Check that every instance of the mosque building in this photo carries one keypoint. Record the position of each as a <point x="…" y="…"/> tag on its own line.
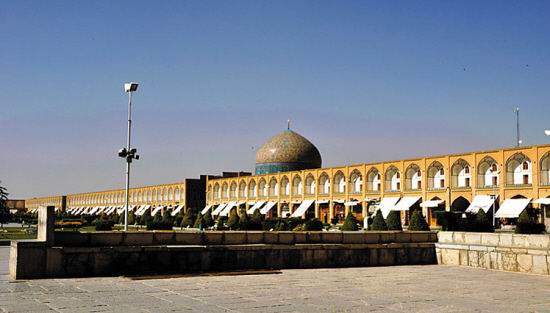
<point x="290" y="181"/>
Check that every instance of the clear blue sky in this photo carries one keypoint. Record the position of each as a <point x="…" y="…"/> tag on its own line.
<point x="363" y="80"/>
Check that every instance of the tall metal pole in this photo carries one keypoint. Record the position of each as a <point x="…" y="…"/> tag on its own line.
<point x="517" y="127"/>
<point x="128" y="160"/>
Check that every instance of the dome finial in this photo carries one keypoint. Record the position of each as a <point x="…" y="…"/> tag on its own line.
<point x="288" y="124"/>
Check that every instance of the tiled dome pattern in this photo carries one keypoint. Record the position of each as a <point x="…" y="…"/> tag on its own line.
<point x="287" y="151"/>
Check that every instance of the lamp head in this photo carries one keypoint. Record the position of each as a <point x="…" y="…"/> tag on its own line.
<point x="130" y="87"/>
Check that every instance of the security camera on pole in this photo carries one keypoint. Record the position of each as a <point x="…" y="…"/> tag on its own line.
<point x="128" y="153"/>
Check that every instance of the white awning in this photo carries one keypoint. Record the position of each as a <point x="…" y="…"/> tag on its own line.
<point x="206" y="208"/>
<point x="219" y="209"/>
<point x="338" y="201"/>
<point x="480" y="202"/>
<point x="371" y="199"/>
<point x="154" y="212"/>
<point x="322" y="201"/>
<point x="351" y="203"/>
<point x="140" y="211"/>
<point x="253" y="208"/>
<point x="95" y="209"/>
<point x="431" y="203"/>
<point x="267" y="207"/>
<point x="405" y="203"/>
<point x="228" y="209"/>
<point x="241" y="203"/>
<point x="302" y="208"/>
<point x="387" y="204"/>
<point x="512" y="208"/>
<point x="297" y="201"/>
<point x="545" y="201"/>
<point x="177" y="210"/>
<point x="251" y="203"/>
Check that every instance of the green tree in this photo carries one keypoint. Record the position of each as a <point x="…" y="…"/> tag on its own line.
<point x="199" y="222"/>
<point x="208" y="220"/>
<point x="418" y="222"/>
<point x="158" y="217"/>
<point x="5" y="215"/>
<point x="350" y="223"/>
<point x="378" y="222"/>
<point x="527" y="225"/>
<point x="244" y="221"/>
<point x="178" y="218"/>
<point x="167" y="217"/>
<point x="483" y="223"/>
<point x="146" y="218"/>
<point x="256" y="220"/>
<point x="188" y="219"/>
<point x="394" y="221"/>
<point x="233" y="221"/>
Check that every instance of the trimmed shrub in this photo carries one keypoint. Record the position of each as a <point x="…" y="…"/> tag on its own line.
<point x="482" y="223"/>
<point x="269" y="224"/>
<point x="350" y="223"/>
<point x="167" y="217"/>
<point x="199" y="222"/>
<point x="294" y="221"/>
<point x="188" y="219"/>
<point x="418" y="222"/>
<point x="220" y="224"/>
<point x="256" y="220"/>
<point x="103" y="224"/>
<point x="378" y="222"/>
<point x="233" y="220"/>
<point x="244" y="221"/>
<point x="208" y="220"/>
<point x="313" y="224"/>
<point x="527" y="224"/>
<point x="157" y="218"/>
<point x="178" y="218"/>
<point x="394" y="221"/>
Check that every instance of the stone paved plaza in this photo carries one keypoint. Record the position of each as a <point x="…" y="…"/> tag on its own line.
<point x="377" y="289"/>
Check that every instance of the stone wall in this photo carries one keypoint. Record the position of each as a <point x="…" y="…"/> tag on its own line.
<point x="498" y="251"/>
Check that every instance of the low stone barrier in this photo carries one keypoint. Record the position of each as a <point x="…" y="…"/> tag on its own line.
<point x="497" y="251"/>
<point x="61" y="254"/>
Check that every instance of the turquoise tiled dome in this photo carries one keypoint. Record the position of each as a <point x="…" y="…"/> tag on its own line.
<point x="287" y="151"/>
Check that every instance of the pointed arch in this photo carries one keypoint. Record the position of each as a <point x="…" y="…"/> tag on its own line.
<point x="374" y="179"/>
<point x="461" y="175"/>
<point x="355" y="182"/>
<point x="436" y="176"/>
<point x="518" y="170"/>
<point x="392" y="179"/>
<point x="413" y="177"/>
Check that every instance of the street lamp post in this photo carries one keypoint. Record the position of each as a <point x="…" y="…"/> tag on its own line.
<point x="128" y="153"/>
<point x="518" y="140"/>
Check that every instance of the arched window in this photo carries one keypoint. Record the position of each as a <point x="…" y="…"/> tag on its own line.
<point x="339" y="183"/>
<point x="297" y="186"/>
<point x="518" y="170"/>
<point x="262" y="188"/>
<point x="355" y="182"/>
<point x="177" y="195"/>
<point x="170" y="195"/>
<point x="393" y="179"/>
<point x="373" y="180"/>
<point x="225" y="191"/>
<point x="545" y="170"/>
<point x="285" y="186"/>
<point x="273" y="187"/>
<point x="324" y="184"/>
<point x="242" y="190"/>
<point x="487" y="173"/>
<point x="461" y="176"/>
<point x="252" y="189"/>
<point x="233" y="190"/>
<point x="436" y="176"/>
<point x="310" y="184"/>
<point x="413" y="177"/>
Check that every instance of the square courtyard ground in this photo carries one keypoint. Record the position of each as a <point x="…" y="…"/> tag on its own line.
<point x="430" y="288"/>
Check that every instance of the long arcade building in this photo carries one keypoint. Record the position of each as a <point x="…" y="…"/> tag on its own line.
<point x="505" y="180"/>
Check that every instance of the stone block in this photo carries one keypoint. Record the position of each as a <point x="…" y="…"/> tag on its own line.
<point x="419" y="236"/>
<point x="445" y="237"/>
<point x="164" y="238"/>
<point x="459" y="237"/>
<point x="509" y="262"/>
<point x="371" y="237"/>
<point x="314" y="237"/>
<point x="286" y="237"/>
<point x="472" y="238"/>
<point x="473" y="258"/>
<point x="271" y="237"/>
<point x="234" y="237"/>
<point x="505" y="240"/>
<point x="54" y="263"/>
<point x="189" y="238"/>
<point x="46" y="225"/>
<point x="332" y="237"/>
<point x="463" y="258"/>
<point x="540" y="265"/>
<point x="373" y="256"/>
<point x="387" y="236"/>
<point x="73" y="238"/>
<point x="300" y="238"/>
<point x="519" y="241"/>
<point x="255" y="237"/>
<point x="27" y="259"/>
<point x="450" y="257"/>
<point x="213" y="237"/>
<point x="106" y="239"/>
<point x="137" y="238"/>
<point x="538" y="241"/>
<point x="525" y="263"/>
<point x="386" y="257"/>
<point x="353" y="237"/>
<point x="493" y="257"/>
<point x="403" y="237"/>
<point x="489" y="239"/>
<point x="432" y="236"/>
